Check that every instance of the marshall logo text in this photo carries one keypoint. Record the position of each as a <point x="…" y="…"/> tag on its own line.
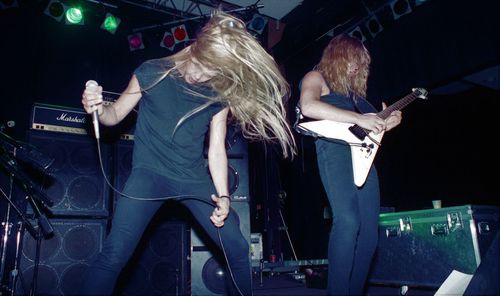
<point x="68" y="118"/>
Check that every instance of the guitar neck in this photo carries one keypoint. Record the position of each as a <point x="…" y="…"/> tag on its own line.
<point x="397" y="106"/>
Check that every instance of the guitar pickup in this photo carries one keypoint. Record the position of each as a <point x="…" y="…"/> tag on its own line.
<point x="358" y="131"/>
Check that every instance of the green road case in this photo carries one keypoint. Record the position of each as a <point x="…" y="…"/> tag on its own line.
<point x="421" y="248"/>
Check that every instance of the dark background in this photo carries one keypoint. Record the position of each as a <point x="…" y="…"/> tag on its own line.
<point x="444" y="149"/>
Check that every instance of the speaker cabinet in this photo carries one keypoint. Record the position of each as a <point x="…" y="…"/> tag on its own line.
<point x="238" y="179"/>
<point x="160" y="263"/>
<point x="75" y="182"/>
<point x="237" y="154"/>
<point x="63" y="257"/>
<point x="208" y="274"/>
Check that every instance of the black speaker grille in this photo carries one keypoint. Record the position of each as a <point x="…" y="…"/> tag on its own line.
<point x="63" y="257"/>
<point x="71" y="278"/>
<point x="160" y="263"/>
<point x="81" y="243"/>
<point x="84" y="194"/>
<point x="75" y="182"/>
<point x="47" y="281"/>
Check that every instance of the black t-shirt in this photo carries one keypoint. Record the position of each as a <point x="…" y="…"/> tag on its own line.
<point x="176" y="155"/>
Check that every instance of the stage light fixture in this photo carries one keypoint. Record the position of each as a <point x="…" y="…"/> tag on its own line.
<point x="180" y="34"/>
<point x="5" y="4"/>
<point x="168" y="41"/>
<point x="56" y="10"/>
<point x="357" y="33"/>
<point x="400" y="8"/>
<point x="74" y="16"/>
<point x="135" y="41"/>
<point x="374" y="26"/>
<point x="257" y="23"/>
<point x="110" y="23"/>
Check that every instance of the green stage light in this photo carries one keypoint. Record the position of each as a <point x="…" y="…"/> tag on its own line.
<point x="110" y="23"/>
<point x="74" y="16"/>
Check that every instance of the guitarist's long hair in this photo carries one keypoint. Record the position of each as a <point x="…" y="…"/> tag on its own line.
<point x="334" y="63"/>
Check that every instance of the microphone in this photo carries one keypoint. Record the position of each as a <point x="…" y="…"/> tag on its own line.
<point x="25" y="152"/>
<point x="13" y="168"/>
<point x="92" y="85"/>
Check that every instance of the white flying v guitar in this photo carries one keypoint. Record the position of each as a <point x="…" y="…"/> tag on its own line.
<point x="364" y="143"/>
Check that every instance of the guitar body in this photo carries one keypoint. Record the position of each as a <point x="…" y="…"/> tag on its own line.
<point x="362" y="151"/>
<point x="364" y="144"/>
<point x="363" y="156"/>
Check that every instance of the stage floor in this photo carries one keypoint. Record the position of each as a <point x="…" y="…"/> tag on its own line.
<point x="284" y="284"/>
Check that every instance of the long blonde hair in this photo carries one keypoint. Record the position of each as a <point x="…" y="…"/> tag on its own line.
<point x="333" y="65"/>
<point x="248" y="79"/>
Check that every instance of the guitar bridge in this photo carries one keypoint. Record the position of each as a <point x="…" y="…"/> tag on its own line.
<point x="368" y="148"/>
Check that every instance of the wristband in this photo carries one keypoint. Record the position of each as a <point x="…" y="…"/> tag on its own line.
<point x="226" y="196"/>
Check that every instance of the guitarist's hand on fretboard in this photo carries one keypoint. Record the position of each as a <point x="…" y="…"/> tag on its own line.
<point x="371" y="122"/>
<point x="394" y="118"/>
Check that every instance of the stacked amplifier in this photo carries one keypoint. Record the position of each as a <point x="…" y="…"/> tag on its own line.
<point x="80" y="202"/>
<point x="171" y="258"/>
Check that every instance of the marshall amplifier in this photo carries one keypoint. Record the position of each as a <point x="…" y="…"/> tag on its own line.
<point x="77" y="121"/>
<point x="59" y="119"/>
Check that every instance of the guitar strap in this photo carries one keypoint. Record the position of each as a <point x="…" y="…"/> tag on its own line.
<point x="298" y="119"/>
<point x="357" y="108"/>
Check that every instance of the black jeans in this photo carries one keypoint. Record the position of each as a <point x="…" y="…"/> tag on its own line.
<point x="354" y="235"/>
<point x="133" y="216"/>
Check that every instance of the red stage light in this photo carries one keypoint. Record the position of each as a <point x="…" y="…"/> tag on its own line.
<point x="180" y="34"/>
<point x="135" y="41"/>
<point x="167" y="41"/>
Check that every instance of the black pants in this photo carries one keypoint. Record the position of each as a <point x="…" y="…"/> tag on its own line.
<point x="132" y="217"/>
<point x="354" y="235"/>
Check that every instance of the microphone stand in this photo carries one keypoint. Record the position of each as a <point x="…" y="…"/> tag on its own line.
<point x="31" y="188"/>
<point x="24" y="221"/>
<point x="7" y="226"/>
<point x="44" y="229"/>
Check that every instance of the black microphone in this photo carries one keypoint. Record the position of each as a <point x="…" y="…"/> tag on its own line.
<point x="25" y="152"/>
<point x="30" y="154"/>
<point x="92" y="85"/>
<point x="13" y="168"/>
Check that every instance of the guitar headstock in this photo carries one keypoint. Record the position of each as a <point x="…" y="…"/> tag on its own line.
<point x="420" y="93"/>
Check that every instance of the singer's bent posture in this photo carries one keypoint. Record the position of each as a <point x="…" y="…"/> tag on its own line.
<point x="225" y="72"/>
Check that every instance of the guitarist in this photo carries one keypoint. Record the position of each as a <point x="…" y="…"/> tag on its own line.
<point x="335" y="90"/>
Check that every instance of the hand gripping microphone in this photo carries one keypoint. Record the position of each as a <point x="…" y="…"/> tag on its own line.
<point x="92" y="85"/>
